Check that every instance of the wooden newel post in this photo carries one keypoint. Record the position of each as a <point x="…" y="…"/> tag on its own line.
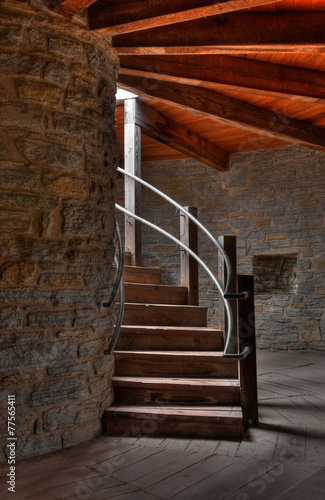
<point x="132" y="164"/>
<point x="229" y="245"/>
<point x="189" y="266"/>
<point x="246" y="328"/>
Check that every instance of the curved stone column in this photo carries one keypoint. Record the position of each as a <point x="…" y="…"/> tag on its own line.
<point x="58" y="154"/>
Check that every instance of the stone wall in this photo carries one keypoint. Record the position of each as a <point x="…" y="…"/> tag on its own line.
<point x="58" y="153"/>
<point x="274" y="202"/>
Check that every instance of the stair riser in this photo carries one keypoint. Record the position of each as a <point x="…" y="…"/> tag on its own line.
<point x="138" y="365"/>
<point x="171" y="342"/>
<point x="154" y="295"/>
<point x="182" y="395"/>
<point x="139" y="314"/>
<point x="142" y="275"/>
<point x="200" y="427"/>
<point x="127" y="258"/>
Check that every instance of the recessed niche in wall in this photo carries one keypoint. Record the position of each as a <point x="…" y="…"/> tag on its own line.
<point x="275" y="273"/>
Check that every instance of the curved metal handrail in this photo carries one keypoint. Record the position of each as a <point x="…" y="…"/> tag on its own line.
<point x="227" y="292"/>
<point x="119" y="285"/>
<point x="119" y="264"/>
<point x="247" y="349"/>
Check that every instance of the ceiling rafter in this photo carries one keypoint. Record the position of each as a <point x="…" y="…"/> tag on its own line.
<point x="212" y="58"/>
<point x="158" y="127"/>
<point x="235" y="33"/>
<point x="221" y="73"/>
<point x="115" y="17"/>
<point x="69" y="8"/>
<point x="228" y="111"/>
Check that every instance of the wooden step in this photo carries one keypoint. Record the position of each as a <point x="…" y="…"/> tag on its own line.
<point x="164" y="315"/>
<point x="193" y="421"/>
<point x="132" y="274"/>
<point x="155" y="294"/>
<point x="127" y="258"/>
<point x="149" y="390"/>
<point x="174" y="364"/>
<point x="173" y="338"/>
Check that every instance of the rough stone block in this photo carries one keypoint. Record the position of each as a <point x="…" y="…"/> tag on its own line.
<point x="35" y="91"/>
<point x="14" y="63"/>
<point x="19" y="179"/>
<point x="310" y="332"/>
<point x="56" y="72"/>
<point x="37" y="355"/>
<point x="84" y="433"/>
<point x="58" y="390"/>
<point x="74" y="126"/>
<point x="64" y="184"/>
<point x="317" y="347"/>
<point x="4" y="393"/>
<point x="71" y="298"/>
<point x="81" y="219"/>
<point x="67" y="47"/>
<point x="240" y="223"/>
<point x="236" y="177"/>
<point x="67" y="370"/>
<point x="13" y="221"/>
<point x="51" y="319"/>
<point x="32" y="446"/>
<point x="5" y="153"/>
<point x="25" y="296"/>
<point x="62" y="280"/>
<point x="11" y="35"/>
<point x="50" y="154"/>
<point x="97" y="59"/>
<point x="19" y="115"/>
<point x="60" y="417"/>
<point x="88" y="414"/>
<point x="36" y="38"/>
<point x="260" y="246"/>
<point x="88" y="349"/>
<point x="10" y="318"/>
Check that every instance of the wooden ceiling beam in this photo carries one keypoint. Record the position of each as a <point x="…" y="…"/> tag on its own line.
<point x="235" y="33"/>
<point x="222" y="73"/>
<point x="172" y="134"/>
<point x="228" y="111"/>
<point x="114" y="17"/>
<point x="69" y="8"/>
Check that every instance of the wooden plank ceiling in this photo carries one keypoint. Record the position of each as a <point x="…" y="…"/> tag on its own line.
<point x="235" y="75"/>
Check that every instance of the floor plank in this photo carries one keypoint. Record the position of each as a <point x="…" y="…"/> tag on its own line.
<point x="220" y="485"/>
<point x="148" y="465"/>
<point x="278" y="480"/>
<point x="189" y="476"/>
<point x="313" y="487"/>
<point x="124" y="460"/>
<point x="258" y="445"/>
<point x="172" y="468"/>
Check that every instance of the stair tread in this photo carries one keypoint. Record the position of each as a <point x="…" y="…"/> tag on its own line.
<point x="176" y="381"/>
<point x="168" y="329"/>
<point x="190" y="410"/>
<point x="143" y="268"/>
<point x="152" y="286"/>
<point x="198" y="354"/>
<point x="185" y="307"/>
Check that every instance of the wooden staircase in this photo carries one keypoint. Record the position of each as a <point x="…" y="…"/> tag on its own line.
<point x="170" y="376"/>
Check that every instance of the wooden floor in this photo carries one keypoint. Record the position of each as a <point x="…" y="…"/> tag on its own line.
<point x="284" y="458"/>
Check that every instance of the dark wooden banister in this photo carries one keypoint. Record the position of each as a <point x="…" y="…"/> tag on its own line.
<point x="247" y="366"/>
<point x="189" y="266"/>
<point x="244" y="325"/>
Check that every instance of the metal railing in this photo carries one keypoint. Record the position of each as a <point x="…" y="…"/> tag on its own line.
<point x="225" y="293"/>
<point x="118" y="286"/>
